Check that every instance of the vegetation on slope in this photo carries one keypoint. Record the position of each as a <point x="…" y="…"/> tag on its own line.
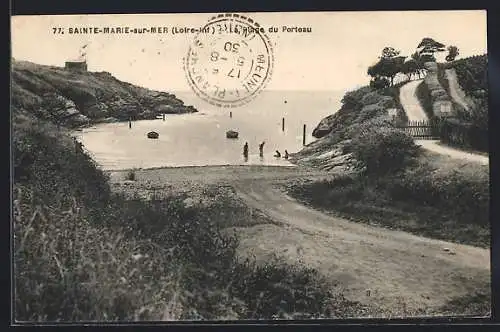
<point x="83" y="252"/>
<point x="74" y="98"/>
<point x="469" y="127"/>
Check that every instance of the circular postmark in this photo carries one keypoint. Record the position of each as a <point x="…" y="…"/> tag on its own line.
<point x="230" y="60"/>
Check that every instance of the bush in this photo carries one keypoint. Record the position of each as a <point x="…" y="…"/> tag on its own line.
<point x="382" y="149"/>
<point x="69" y="270"/>
<point x="379" y="83"/>
<point x="46" y="159"/>
<point x="352" y="99"/>
<point x="464" y="135"/>
<point x="472" y="73"/>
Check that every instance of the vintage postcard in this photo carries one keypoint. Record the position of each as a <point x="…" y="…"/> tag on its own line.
<point x="250" y="166"/>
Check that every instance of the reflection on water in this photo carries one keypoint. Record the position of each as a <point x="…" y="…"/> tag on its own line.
<point x="200" y="139"/>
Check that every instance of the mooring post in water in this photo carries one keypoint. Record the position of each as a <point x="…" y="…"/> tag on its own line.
<point x="304" y="135"/>
<point x="230" y="114"/>
<point x="283" y="124"/>
<point x="163" y="116"/>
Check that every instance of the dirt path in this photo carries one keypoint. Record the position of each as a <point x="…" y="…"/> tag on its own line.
<point x="397" y="272"/>
<point x="410" y="103"/>
<point x="415" y="112"/>
<point x="437" y="147"/>
<point x="375" y="265"/>
<point x="456" y="92"/>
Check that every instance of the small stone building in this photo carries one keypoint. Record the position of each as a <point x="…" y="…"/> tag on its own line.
<point x="76" y="66"/>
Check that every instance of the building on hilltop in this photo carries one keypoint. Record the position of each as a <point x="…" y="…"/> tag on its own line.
<point x="76" y="65"/>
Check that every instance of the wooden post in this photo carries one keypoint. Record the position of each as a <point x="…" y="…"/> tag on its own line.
<point x="283" y="124"/>
<point x="130" y="123"/>
<point x="163" y="116"/>
<point x="304" y="135"/>
<point x="231" y="115"/>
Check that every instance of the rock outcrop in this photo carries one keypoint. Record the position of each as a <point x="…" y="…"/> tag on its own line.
<point x="334" y="132"/>
<point x="75" y="99"/>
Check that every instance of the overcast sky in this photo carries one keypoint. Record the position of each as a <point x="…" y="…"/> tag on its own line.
<point x="334" y="56"/>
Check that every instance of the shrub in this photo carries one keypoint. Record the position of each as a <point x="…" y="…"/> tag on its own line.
<point x="382" y="149"/>
<point x="472" y="73"/>
<point x="352" y="99"/>
<point x="69" y="270"/>
<point x="379" y="83"/>
<point x="464" y="134"/>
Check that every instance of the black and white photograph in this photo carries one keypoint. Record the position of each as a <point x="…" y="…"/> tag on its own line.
<point x="236" y="166"/>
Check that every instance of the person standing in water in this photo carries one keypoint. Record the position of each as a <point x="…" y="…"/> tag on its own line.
<point x="277" y="154"/>
<point x="261" y="149"/>
<point x="286" y="154"/>
<point x="245" y="150"/>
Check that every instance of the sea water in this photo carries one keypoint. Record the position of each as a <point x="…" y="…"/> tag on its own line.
<point x="199" y="139"/>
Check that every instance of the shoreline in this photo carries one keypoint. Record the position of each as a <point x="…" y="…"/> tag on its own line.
<point x="204" y="166"/>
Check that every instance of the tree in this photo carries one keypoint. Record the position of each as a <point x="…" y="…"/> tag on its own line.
<point x="452" y="53"/>
<point x="419" y="63"/>
<point x="389" y="52"/>
<point x="428" y="47"/>
<point x="409" y="68"/>
<point x="388" y="66"/>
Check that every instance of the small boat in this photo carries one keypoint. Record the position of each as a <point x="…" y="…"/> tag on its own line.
<point x="231" y="134"/>
<point x="153" y="135"/>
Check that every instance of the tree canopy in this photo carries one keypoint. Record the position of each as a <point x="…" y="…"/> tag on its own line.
<point x="452" y="53"/>
<point x="390" y="62"/>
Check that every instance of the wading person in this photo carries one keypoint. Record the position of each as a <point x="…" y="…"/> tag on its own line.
<point x="245" y="150"/>
<point x="286" y="154"/>
<point x="261" y="149"/>
<point x="277" y="154"/>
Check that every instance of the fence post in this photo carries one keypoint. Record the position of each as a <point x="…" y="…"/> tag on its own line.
<point x="282" y="124"/>
<point x="304" y="135"/>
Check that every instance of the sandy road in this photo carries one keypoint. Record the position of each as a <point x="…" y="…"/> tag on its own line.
<point x="410" y="103"/>
<point x="456" y="93"/>
<point x="374" y="265"/>
<point x="393" y="267"/>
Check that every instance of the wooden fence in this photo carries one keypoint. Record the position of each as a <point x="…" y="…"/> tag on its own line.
<point x="424" y="129"/>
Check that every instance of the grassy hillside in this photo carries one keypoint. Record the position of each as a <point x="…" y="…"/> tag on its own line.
<point x="472" y="73"/>
<point x="73" y="99"/>
<point x="469" y="127"/>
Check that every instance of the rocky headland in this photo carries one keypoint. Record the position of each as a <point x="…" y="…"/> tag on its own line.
<point x="76" y="99"/>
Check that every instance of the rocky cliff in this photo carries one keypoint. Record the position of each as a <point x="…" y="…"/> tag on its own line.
<point x="74" y="99"/>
